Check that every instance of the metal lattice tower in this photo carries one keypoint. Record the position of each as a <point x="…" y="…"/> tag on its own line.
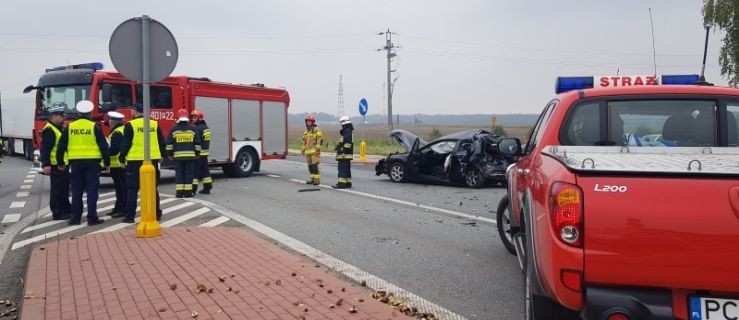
<point x="340" y="105"/>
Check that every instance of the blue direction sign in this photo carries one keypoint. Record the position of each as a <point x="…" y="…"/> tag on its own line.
<point x="363" y="106"/>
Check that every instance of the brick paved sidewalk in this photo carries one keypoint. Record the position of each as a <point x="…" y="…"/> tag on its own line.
<point x="208" y="273"/>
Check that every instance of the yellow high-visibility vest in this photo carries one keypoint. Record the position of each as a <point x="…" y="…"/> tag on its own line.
<point x="136" y="153"/>
<point x="57" y="136"/>
<point x="82" y="143"/>
<point x="114" y="162"/>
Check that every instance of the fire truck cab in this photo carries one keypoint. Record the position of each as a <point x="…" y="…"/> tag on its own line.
<point x="248" y="123"/>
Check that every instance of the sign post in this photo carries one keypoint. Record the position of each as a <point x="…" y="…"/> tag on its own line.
<point x="144" y="50"/>
<point x="363" y="107"/>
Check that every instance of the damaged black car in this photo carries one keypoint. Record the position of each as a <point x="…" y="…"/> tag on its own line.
<point x="468" y="157"/>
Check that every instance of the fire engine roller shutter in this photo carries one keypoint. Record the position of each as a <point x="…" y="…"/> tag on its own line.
<point x="216" y="115"/>
<point x="245" y="115"/>
<point x="275" y="132"/>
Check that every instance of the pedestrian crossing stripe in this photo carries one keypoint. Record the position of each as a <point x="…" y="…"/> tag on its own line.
<point x="11" y="218"/>
<point x="178" y="219"/>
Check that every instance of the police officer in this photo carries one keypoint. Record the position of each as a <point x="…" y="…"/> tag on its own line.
<point x="115" y="138"/>
<point x="132" y="157"/>
<point x="50" y="136"/>
<point x="183" y="146"/>
<point x="202" y="171"/>
<point x="345" y="153"/>
<point x="84" y="145"/>
<point x="311" y="149"/>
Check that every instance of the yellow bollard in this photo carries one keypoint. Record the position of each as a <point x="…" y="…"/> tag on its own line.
<point x="363" y="151"/>
<point x="149" y="226"/>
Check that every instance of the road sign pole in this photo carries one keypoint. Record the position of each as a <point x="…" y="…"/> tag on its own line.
<point x="148" y="227"/>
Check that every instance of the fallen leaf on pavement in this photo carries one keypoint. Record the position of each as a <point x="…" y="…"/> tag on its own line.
<point x="200" y="288"/>
<point x="210" y="290"/>
<point x="194" y="314"/>
<point x="222" y="278"/>
<point x="172" y="286"/>
<point x="340" y="302"/>
<point x="162" y="309"/>
<point x="294" y="274"/>
<point x="353" y="310"/>
<point x="363" y="283"/>
<point x="278" y="282"/>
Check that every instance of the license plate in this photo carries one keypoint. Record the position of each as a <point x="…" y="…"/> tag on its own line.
<point x="703" y="308"/>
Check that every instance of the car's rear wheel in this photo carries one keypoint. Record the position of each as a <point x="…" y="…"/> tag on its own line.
<point x="474" y="179"/>
<point x="397" y="172"/>
<point x="503" y="219"/>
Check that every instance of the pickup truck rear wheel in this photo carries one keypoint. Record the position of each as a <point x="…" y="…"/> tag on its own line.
<point x="503" y="219"/>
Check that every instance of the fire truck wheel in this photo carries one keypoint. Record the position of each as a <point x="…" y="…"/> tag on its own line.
<point x="243" y="166"/>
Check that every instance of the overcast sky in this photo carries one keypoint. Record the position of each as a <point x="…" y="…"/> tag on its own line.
<point x="462" y="56"/>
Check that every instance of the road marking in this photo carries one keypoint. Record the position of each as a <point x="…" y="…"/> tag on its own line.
<point x="273" y="176"/>
<point x="30" y="176"/>
<point x="11" y="218"/>
<point x="48" y="235"/>
<point x="340" y="266"/>
<point x="32" y="172"/>
<point x="42" y="225"/>
<point x="122" y="225"/>
<point x="21" y="194"/>
<point x="17" y="204"/>
<point x="26" y="187"/>
<point x="409" y="203"/>
<point x="28" y="181"/>
<point x="184" y="217"/>
<point x="216" y="221"/>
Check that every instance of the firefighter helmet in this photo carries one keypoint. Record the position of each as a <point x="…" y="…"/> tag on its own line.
<point x="182" y="115"/>
<point x="310" y="117"/>
<point x="197" y="113"/>
<point x="345" y="120"/>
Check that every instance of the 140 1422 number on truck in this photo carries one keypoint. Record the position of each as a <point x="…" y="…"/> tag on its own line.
<point x="624" y="204"/>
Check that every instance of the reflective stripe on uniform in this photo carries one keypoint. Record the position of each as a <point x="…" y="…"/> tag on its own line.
<point x="136" y="153"/>
<point x="207" y="180"/>
<point x="82" y="143"/>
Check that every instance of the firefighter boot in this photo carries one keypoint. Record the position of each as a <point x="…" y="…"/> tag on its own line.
<point x="341" y="185"/>
<point x="179" y="194"/>
<point x="206" y="189"/>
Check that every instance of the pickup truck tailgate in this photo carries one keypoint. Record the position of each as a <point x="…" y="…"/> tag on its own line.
<point x="675" y="232"/>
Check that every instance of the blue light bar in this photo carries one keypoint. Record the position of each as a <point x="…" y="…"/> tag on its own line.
<point x="680" y="79"/>
<point x="95" y="66"/>
<point x="564" y="84"/>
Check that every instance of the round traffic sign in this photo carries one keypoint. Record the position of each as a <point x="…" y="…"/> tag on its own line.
<point x="363" y="106"/>
<point x="127" y="55"/>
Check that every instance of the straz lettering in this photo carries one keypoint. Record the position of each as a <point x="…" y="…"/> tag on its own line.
<point x="80" y="131"/>
<point x="141" y="130"/>
<point x="607" y="188"/>
<point x="628" y="81"/>
<point x="181" y="138"/>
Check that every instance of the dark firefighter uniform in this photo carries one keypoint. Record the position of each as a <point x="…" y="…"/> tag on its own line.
<point x="202" y="171"/>
<point x="183" y="146"/>
<point x="311" y="149"/>
<point x="345" y="153"/>
<point x="84" y="144"/>
<point x="132" y="157"/>
<point x="117" y="173"/>
<point x="59" y="193"/>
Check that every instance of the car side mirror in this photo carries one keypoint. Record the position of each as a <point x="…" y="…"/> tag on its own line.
<point x="107" y="95"/>
<point x="509" y="147"/>
<point x="29" y="89"/>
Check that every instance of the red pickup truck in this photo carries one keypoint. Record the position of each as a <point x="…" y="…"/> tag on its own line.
<point x="624" y="204"/>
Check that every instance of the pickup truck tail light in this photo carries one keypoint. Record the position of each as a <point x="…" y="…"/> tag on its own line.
<point x="565" y="205"/>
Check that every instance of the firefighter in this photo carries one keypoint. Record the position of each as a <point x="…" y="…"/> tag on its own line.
<point x="59" y="194"/>
<point x="84" y="144"/>
<point x="132" y="157"/>
<point x="115" y="139"/>
<point x="202" y="171"/>
<point x="311" y="149"/>
<point x="345" y="153"/>
<point x="183" y="146"/>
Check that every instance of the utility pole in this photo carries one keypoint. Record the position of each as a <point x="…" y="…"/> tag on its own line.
<point x="389" y="46"/>
<point x="340" y="105"/>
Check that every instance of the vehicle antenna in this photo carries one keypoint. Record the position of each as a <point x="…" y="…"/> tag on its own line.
<point x="654" y="49"/>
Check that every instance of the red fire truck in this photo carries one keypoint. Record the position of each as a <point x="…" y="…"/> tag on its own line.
<point x="248" y="123"/>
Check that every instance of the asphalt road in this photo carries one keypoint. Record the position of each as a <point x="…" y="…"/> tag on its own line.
<point x="411" y="235"/>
